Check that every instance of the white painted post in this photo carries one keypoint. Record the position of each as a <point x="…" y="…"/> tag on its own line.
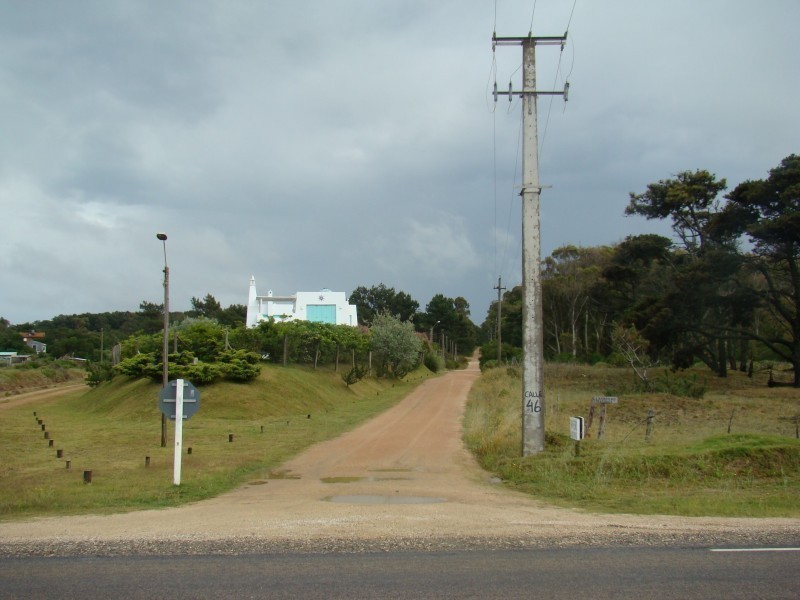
<point x="176" y="477"/>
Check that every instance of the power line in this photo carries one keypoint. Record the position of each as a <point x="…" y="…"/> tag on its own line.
<point x="533" y="12"/>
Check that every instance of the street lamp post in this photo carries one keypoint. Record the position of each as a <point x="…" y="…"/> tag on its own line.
<point x="432" y="326"/>
<point x="165" y="350"/>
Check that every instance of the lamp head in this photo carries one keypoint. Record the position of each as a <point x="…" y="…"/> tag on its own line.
<point x="162" y="236"/>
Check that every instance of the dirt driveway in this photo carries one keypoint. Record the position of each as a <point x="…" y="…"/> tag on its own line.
<point x="25" y="398"/>
<point x="402" y="480"/>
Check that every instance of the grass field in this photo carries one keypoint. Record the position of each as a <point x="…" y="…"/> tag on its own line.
<point x="728" y="453"/>
<point x="111" y="429"/>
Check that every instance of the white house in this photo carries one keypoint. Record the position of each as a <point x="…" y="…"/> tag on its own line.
<point x="321" y="307"/>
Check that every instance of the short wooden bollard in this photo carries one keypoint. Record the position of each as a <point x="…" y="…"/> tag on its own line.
<point x="230" y="437"/>
<point x="262" y="429"/>
<point x="43" y="426"/>
<point x="189" y="450"/>
<point x="69" y="464"/>
<point x="59" y="453"/>
<point x="47" y="435"/>
<point x="87" y="477"/>
<point x="146" y="461"/>
<point x="50" y="443"/>
<point x="651" y="415"/>
<point x="34" y="413"/>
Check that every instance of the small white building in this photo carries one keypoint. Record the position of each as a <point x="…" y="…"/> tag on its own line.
<point x="320" y="307"/>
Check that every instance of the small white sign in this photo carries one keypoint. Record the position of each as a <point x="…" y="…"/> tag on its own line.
<point x="576" y="428"/>
<point x="605" y="400"/>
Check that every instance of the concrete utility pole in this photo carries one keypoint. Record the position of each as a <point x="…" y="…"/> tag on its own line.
<point x="533" y="404"/>
<point x="499" y="289"/>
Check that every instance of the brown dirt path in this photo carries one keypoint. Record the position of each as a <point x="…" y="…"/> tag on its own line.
<point x="27" y="397"/>
<point x="402" y="480"/>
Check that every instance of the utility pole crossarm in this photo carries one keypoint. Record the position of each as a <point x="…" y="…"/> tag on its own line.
<point x="530" y="42"/>
<point x="557" y="40"/>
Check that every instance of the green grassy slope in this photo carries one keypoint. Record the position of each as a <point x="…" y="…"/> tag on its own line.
<point x="111" y="429"/>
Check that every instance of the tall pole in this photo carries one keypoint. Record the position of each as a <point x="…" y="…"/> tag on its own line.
<point x="499" y="289"/>
<point x="533" y="402"/>
<point x="533" y="408"/>
<point x="432" y="327"/>
<point x="165" y="349"/>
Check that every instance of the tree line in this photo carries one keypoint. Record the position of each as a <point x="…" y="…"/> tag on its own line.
<point x="725" y="291"/>
<point x="210" y="342"/>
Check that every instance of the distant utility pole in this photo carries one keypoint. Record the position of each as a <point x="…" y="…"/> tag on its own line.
<point x="499" y="289"/>
<point x="533" y="404"/>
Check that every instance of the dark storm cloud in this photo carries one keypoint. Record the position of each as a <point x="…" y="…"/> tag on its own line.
<point x="337" y="144"/>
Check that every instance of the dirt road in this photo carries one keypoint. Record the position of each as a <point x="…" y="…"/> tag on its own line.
<point x="26" y="397"/>
<point x="402" y="480"/>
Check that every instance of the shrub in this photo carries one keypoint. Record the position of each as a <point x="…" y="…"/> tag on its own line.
<point x="239" y="370"/>
<point x="433" y="362"/>
<point x="141" y="365"/>
<point x="489" y="364"/>
<point x="395" y="344"/>
<point x="354" y="375"/>
<point x="98" y="373"/>
<point x="681" y="386"/>
<point x="202" y="372"/>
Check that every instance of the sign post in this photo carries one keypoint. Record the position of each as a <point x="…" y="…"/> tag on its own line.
<point x="176" y="463"/>
<point x="602" y="401"/>
<point x="179" y="400"/>
<point x="576" y="432"/>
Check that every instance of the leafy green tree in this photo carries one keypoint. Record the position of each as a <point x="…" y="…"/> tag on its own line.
<point x="204" y="337"/>
<point x="689" y="200"/>
<point x="635" y="271"/>
<point x="697" y="316"/>
<point x="10" y="339"/>
<point x="395" y="344"/>
<point x="233" y="316"/>
<point x="569" y="279"/>
<point x="209" y="307"/>
<point x="380" y="298"/>
<point x="452" y="316"/>
<point x="768" y="212"/>
<point x="511" y="317"/>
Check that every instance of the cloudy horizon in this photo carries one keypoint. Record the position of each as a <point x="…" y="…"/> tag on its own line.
<point x="350" y="143"/>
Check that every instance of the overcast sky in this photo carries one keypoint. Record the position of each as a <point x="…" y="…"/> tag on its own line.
<point x="339" y="143"/>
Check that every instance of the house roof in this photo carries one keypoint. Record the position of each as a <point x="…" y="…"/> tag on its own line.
<point x="33" y="335"/>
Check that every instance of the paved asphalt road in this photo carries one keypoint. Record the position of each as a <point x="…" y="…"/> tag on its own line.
<point x="543" y="573"/>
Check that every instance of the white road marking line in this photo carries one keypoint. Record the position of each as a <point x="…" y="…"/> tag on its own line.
<point x="754" y="550"/>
